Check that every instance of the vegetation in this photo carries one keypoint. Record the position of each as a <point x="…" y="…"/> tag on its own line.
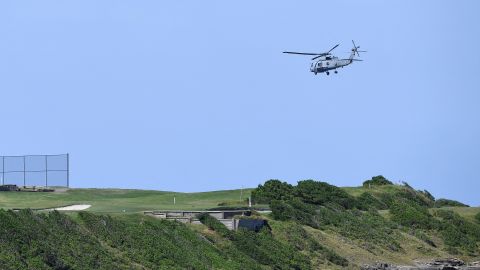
<point x="457" y="232"/>
<point x="368" y="201"/>
<point x="410" y="214"/>
<point x="53" y="241"/>
<point x="377" y="181"/>
<point x="261" y="247"/>
<point x="446" y="202"/>
<point x="314" y="225"/>
<point x="272" y="190"/>
<point x="329" y="208"/>
<point x="320" y="193"/>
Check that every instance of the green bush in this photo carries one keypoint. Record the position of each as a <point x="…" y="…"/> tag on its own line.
<point x="214" y="224"/>
<point x="446" y="202"/>
<point x="51" y="241"/>
<point x="377" y="181"/>
<point x="406" y="194"/>
<point x="427" y="194"/>
<point x="366" y="201"/>
<point x="294" y="210"/>
<point x="477" y="217"/>
<point x="368" y="227"/>
<point x="458" y="232"/>
<point x="410" y="214"/>
<point x="272" y="190"/>
<point x="319" y="193"/>
<point x="298" y="237"/>
<point x="261" y="247"/>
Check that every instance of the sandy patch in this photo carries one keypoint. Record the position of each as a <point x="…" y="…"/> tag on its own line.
<point x="75" y="207"/>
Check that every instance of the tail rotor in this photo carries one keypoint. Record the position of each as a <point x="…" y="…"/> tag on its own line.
<point x="355" y="49"/>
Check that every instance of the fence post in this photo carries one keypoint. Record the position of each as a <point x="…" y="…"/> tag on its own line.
<point x="46" y="171"/>
<point x="68" y="170"/>
<point x="3" y="170"/>
<point x="24" y="171"/>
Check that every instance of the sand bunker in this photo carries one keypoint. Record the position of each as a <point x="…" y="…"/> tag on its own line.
<point x="75" y="207"/>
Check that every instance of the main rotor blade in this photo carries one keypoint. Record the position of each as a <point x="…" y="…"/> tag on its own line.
<point x="302" y="53"/>
<point x="333" y="48"/>
<point x="353" y="59"/>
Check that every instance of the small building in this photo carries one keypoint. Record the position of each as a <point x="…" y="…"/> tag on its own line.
<point x="252" y="224"/>
<point x="9" y="188"/>
<point x="227" y="217"/>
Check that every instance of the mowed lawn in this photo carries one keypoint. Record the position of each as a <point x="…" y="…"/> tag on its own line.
<point x="121" y="200"/>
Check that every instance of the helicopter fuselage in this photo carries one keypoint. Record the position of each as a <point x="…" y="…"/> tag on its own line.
<point x="328" y="63"/>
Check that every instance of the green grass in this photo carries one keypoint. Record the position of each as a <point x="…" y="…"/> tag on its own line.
<point x="466" y="212"/>
<point x="120" y="200"/>
<point x="357" y="191"/>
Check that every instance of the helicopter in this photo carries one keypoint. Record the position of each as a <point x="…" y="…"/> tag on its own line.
<point x="324" y="62"/>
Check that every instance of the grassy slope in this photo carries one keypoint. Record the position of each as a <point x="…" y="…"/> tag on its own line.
<point x="114" y="201"/>
<point x="117" y="200"/>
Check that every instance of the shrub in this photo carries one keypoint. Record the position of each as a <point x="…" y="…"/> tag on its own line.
<point x="272" y="190"/>
<point x="214" y="224"/>
<point x="261" y="247"/>
<point x="477" y="217"/>
<point x="458" y="232"/>
<point x="410" y="214"/>
<point x="298" y="237"/>
<point x="446" y="202"/>
<point x="427" y="194"/>
<point x="366" y="201"/>
<point x="51" y="241"/>
<point x="319" y="193"/>
<point x="377" y="181"/>
<point x="407" y="195"/>
<point x="294" y="210"/>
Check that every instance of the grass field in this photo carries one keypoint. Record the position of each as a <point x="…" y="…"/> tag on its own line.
<point x="135" y="201"/>
<point x="122" y="200"/>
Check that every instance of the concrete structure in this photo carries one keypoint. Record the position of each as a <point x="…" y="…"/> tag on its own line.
<point x="227" y="217"/>
<point x="9" y="188"/>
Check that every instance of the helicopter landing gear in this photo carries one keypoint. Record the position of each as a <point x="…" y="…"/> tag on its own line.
<point x="336" y="72"/>
<point x="328" y="73"/>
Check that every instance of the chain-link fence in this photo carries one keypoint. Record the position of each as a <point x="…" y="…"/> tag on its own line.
<point x="35" y="170"/>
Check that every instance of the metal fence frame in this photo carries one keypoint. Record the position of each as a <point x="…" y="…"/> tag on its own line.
<point x="25" y="171"/>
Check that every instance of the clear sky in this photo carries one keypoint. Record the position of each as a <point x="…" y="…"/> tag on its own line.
<point x="196" y="95"/>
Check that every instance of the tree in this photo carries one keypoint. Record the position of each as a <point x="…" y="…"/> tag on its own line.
<point x="272" y="190"/>
<point x="378" y="180"/>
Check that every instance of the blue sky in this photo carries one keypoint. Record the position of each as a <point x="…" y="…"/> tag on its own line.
<point x="196" y="96"/>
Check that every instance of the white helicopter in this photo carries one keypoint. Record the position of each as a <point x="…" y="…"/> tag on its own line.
<point x="324" y="62"/>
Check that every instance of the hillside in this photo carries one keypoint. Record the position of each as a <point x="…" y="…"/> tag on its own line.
<point x="314" y="225"/>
